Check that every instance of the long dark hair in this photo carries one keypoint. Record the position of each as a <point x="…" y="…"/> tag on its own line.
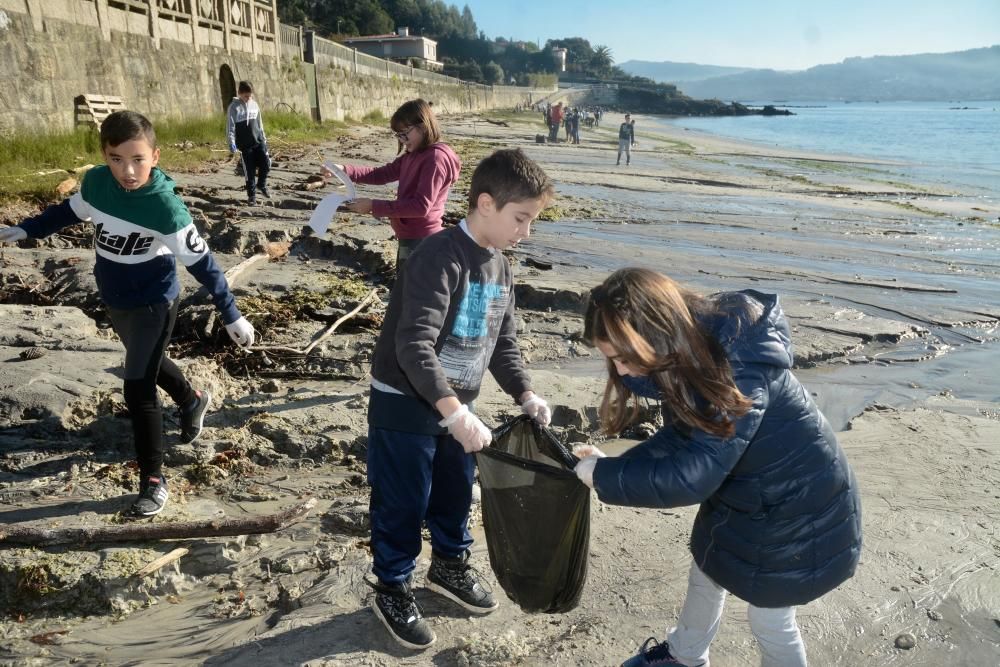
<point x="652" y="323"/>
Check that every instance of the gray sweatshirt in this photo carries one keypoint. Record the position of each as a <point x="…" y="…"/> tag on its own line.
<point x="450" y="318"/>
<point x="245" y="125"/>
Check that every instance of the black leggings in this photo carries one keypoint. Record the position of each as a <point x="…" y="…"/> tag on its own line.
<point x="145" y="332"/>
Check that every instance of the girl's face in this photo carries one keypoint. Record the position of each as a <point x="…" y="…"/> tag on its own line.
<point x="612" y="355"/>
<point x="412" y="137"/>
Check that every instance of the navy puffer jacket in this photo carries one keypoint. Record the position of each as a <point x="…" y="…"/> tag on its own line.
<point x="780" y="517"/>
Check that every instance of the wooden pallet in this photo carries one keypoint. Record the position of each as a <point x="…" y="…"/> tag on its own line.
<point x="92" y="109"/>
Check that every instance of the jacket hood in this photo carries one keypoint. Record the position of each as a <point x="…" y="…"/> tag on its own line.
<point x="447" y="156"/>
<point x="753" y="330"/>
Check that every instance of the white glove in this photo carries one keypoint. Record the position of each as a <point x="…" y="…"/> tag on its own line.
<point x="580" y="451"/>
<point x="536" y="408"/>
<point x="12" y="235"/>
<point x="241" y="331"/>
<point x="467" y="428"/>
<point x="585" y="469"/>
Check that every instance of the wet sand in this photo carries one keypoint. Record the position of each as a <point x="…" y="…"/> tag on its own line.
<point x="890" y="288"/>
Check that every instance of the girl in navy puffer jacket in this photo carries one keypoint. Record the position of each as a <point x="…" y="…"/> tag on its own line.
<point x="779" y="522"/>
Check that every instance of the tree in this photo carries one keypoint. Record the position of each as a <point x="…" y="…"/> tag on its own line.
<point x="493" y="73"/>
<point x="470" y="71"/>
<point x="602" y="59"/>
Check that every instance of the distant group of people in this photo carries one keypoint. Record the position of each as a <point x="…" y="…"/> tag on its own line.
<point x="558" y="116"/>
<point x="779" y="519"/>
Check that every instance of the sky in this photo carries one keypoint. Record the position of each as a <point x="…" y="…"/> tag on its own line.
<point x="777" y="34"/>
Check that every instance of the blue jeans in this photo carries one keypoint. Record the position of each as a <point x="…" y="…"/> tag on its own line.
<point x="415" y="479"/>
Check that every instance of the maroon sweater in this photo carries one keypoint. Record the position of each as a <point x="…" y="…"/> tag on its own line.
<point x="425" y="177"/>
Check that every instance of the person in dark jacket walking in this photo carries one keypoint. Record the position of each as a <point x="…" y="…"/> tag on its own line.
<point x="626" y="139"/>
<point x="245" y="131"/>
<point x="779" y="522"/>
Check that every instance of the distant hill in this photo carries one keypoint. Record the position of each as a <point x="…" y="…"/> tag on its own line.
<point x="671" y="72"/>
<point x="961" y="75"/>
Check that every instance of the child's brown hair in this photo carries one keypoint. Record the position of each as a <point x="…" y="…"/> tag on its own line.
<point x="510" y="176"/>
<point x="653" y="324"/>
<point x="417" y="112"/>
<point x="122" y="126"/>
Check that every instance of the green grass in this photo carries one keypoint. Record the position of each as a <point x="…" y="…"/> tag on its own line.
<point x="375" y="118"/>
<point x="184" y="145"/>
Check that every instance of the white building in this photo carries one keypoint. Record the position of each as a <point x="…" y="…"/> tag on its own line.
<point x="400" y="46"/>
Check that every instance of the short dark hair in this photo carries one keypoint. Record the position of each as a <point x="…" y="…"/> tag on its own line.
<point x="122" y="126"/>
<point x="244" y="87"/>
<point x="510" y="176"/>
<point x="417" y="112"/>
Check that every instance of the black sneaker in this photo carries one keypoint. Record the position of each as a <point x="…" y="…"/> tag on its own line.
<point x="264" y="192"/>
<point x="193" y="416"/>
<point x="251" y="201"/>
<point x="657" y="654"/>
<point x="152" y="496"/>
<point x="396" y="607"/>
<point x="455" y="579"/>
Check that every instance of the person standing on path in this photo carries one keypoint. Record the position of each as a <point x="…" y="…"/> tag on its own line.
<point x="626" y="137"/>
<point x="555" y="122"/>
<point x="245" y="130"/>
<point x="450" y="320"/>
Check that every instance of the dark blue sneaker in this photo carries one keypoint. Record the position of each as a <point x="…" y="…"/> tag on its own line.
<point x="657" y="654"/>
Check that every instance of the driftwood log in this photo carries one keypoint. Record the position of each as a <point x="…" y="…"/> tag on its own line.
<point x="19" y="534"/>
<point x="161" y="561"/>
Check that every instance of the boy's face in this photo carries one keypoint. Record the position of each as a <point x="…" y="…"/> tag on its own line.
<point x="245" y="97"/>
<point x="131" y="162"/>
<point x="506" y="227"/>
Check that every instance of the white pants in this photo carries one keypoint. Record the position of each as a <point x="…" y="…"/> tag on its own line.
<point x="775" y="630"/>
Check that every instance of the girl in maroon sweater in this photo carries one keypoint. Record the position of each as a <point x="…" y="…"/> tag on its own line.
<point x="426" y="169"/>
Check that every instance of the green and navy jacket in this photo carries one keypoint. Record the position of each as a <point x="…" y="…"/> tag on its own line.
<point x="138" y="235"/>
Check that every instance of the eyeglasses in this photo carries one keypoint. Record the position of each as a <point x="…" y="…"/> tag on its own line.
<point x="405" y="133"/>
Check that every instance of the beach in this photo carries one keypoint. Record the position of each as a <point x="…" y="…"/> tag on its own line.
<point x="890" y="288"/>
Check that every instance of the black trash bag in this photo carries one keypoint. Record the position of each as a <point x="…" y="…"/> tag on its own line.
<point x="536" y="515"/>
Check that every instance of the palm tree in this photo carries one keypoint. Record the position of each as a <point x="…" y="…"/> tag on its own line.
<point x="602" y="60"/>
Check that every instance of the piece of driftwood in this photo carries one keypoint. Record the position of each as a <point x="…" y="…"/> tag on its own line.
<point x="497" y="122"/>
<point x="312" y="182"/>
<point x="166" y="559"/>
<point x="322" y="336"/>
<point x="20" y="534"/>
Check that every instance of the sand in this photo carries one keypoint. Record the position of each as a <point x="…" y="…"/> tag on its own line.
<point x="890" y="288"/>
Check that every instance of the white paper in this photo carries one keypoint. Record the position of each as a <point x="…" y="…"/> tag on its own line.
<point x="326" y="210"/>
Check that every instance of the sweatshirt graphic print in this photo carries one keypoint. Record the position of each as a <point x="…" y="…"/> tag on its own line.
<point x="138" y="236"/>
<point x="467" y="350"/>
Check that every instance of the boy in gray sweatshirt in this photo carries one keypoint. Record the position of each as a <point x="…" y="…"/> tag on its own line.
<point x="245" y="130"/>
<point x="450" y="319"/>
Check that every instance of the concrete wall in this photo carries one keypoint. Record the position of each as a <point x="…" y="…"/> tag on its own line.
<point x="51" y="51"/>
<point x="42" y="72"/>
<point x="345" y="94"/>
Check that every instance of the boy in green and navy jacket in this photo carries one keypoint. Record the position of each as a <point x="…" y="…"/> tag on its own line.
<point x="141" y="227"/>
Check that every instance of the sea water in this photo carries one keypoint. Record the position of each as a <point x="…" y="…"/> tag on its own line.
<point x="953" y="145"/>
